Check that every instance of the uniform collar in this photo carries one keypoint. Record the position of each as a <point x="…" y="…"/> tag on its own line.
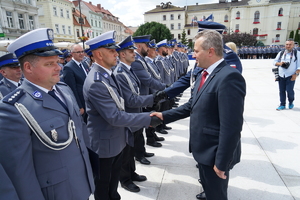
<point x="127" y="66"/>
<point x="108" y="71"/>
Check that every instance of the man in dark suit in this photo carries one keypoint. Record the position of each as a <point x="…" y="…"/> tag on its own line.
<point x="216" y="115"/>
<point x="108" y="123"/>
<point x="74" y="74"/>
<point x="11" y="71"/>
<point x="42" y="135"/>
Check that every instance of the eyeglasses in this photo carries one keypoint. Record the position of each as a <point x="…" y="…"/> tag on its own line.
<point x="78" y="52"/>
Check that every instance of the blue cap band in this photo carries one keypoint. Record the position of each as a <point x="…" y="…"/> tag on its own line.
<point x="102" y="43"/>
<point x="33" y="46"/>
<point x="141" y="40"/>
<point x="9" y="61"/>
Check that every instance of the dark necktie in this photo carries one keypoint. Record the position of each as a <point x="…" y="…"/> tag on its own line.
<point x="19" y="84"/>
<point x="83" y="68"/>
<point x="203" y="77"/>
<point x="52" y="93"/>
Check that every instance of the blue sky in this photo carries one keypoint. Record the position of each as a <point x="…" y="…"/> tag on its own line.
<point x="130" y="12"/>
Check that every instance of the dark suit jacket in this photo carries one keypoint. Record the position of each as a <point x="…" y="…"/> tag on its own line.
<point x="216" y="118"/>
<point x="74" y="77"/>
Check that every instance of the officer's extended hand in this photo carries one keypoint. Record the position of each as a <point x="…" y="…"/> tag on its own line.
<point x="157" y="114"/>
<point x="159" y="95"/>
<point x="155" y="121"/>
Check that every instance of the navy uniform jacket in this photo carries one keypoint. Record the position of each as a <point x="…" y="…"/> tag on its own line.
<point x="165" y="70"/>
<point x="6" y="87"/>
<point x="216" y="118"/>
<point x="133" y="101"/>
<point x="74" y="77"/>
<point x="140" y="68"/>
<point x="107" y="124"/>
<point x="184" y="82"/>
<point x="7" y="190"/>
<point x="36" y="171"/>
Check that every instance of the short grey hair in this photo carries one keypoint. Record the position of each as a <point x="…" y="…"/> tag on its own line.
<point x="212" y="39"/>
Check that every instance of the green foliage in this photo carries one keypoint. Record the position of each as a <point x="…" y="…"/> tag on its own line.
<point x="191" y="45"/>
<point x="183" y="38"/>
<point x="291" y="34"/>
<point x="260" y="43"/>
<point x="240" y="39"/>
<point x="157" y="31"/>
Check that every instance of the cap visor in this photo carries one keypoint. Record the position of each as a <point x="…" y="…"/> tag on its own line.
<point x="53" y="52"/>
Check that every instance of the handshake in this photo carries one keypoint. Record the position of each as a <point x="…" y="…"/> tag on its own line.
<point x="156" y="119"/>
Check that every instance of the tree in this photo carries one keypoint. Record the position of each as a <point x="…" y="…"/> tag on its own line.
<point x="240" y="39"/>
<point x="260" y="44"/>
<point x="291" y="35"/>
<point x="191" y="45"/>
<point x="183" y="38"/>
<point x="157" y="31"/>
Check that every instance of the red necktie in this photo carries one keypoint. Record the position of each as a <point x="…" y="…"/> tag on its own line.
<point x="203" y="77"/>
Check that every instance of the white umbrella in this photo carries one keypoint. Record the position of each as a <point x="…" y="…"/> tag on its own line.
<point x="63" y="45"/>
<point x="4" y="44"/>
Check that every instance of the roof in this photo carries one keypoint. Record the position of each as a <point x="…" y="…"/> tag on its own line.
<point x="77" y="14"/>
<point x="165" y="9"/>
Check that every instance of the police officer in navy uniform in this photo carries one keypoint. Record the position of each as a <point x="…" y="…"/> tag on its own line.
<point x="44" y="153"/>
<point x="141" y="69"/>
<point x="186" y="81"/>
<point x="11" y="71"/>
<point x="108" y="124"/>
<point x="130" y="86"/>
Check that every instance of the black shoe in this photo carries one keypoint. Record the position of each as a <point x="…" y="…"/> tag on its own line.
<point x="201" y="196"/>
<point x="143" y="160"/>
<point x="138" y="178"/>
<point x="146" y="154"/>
<point x="131" y="187"/>
<point x="167" y="127"/>
<point x="159" y="138"/>
<point x="154" y="144"/>
<point x="162" y="131"/>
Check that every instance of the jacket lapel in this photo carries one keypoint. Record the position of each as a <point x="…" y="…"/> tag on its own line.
<point x="47" y="100"/>
<point x="213" y="75"/>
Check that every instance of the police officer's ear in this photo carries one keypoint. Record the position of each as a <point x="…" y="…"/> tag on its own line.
<point x="27" y="67"/>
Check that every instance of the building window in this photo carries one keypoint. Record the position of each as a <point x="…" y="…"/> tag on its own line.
<point x="277" y="38"/>
<point x="62" y="12"/>
<point x="63" y="29"/>
<point x="99" y="24"/>
<point x="226" y="18"/>
<point x="21" y="21"/>
<point x="238" y="15"/>
<point x="179" y="16"/>
<point x="31" y="24"/>
<point x="280" y="12"/>
<point x="54" y="11"/>
<point x="69" y="30"/>
<point x="172" y="35"/>
<point x="77" y="33"/>
<point x="255" y="31"/>
<point x="68" y="14"/>
<point x="189" y="31"/>
<point x="9" y="19"/>
<point x="172" y="26"/>
<point x="299" y="26"/>
<point x="164" y="17"/>
<point x="278" y="26"/>
<point x="237" y="28"/>
<point x="179" y="36"/>
<point x="57" y="28"/>
<point x="179" y="26"/>
<point x="96" y="23"/>
<point x="172" y="17"/>
<point x="92" y="22"/>
<point x="256" y="17"/>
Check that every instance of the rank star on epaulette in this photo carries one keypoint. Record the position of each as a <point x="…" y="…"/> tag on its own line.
<point x="120" y="69"/>
<point x="14" y="96"/>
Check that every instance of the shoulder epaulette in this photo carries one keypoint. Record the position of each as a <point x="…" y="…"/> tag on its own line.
<point x="14" y="96"/>
<point x="97" y="77"/>
<point x="227" y="51"/>
<point x="61" y="83"/>
<point x="120" y="70"/>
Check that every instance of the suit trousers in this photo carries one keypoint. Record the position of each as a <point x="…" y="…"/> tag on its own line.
<point x="128" y="165"/>
<point x="214" y="187"/>
<point x="286" y="86"/>
<point x="107" y="184"/>
<point x="139" y="143"/>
